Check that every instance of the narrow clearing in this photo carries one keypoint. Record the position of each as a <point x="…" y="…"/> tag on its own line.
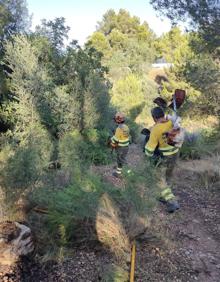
<point x="184" y="246"/>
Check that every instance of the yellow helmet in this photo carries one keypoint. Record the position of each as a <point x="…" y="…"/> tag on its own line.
<point x="119" y="117"/>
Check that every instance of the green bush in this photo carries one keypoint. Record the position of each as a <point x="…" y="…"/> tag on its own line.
<point x="88" y="148"/>
<point x="199" y="144"/>
<point x="74" y="208"/>
<point x="127" y="93"/>
<point x="28" y="159"/>
<point x="97" y="151"/>
<point x="141" y="189"/>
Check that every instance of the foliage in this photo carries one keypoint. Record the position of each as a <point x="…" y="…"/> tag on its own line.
<point x="23" y="164"/>
<point x="124" y="23"/>
<point x="128" y="93"/>
<point x="76" y="150"/>
<point x="128" y="51"/>
<point x="134" y="96"/>
<point x="196" y="72"/>
<point x="76" y="207"/>
<point x="55" y="31"/>
<point x="78" y="103"/>
<point x="204" y="15"/>
<point x="174" y="46"/>
<point x="59" y="102"/>
<point x="87" y="85"/>
<point x="29" y="84"/>
<point x="204" y="74"/>
<point x="141" y="190"/>
<point x="124" y="42"/>
<point x="199" y="144"/>
<point x="14" y="18"/>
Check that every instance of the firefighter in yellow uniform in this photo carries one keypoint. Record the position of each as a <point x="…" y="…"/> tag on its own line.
<point x="168" y="154"/>
<point x="120" y="142"/>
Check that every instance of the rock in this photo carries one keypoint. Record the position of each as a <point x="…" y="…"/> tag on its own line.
<point x="16" y="240"/>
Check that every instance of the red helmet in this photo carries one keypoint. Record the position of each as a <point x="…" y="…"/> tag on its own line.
<point x="119" y="117"/>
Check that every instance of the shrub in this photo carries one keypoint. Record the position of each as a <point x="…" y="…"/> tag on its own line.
<point x="28" y="159"/>
<point x="198" y="144"/>
<point x="73" y="208"/>
<point x="91" y="209"/>
<point x="90" y="147"/>
<point x="115" y="273"/>
<point x="127" y="93"/>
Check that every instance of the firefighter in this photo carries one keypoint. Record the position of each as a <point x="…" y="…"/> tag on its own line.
<point x="120" y="142"/>
<point x="158" y="140"/>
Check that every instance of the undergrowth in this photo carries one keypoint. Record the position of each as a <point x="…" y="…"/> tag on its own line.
<point x="75" y="211"/>
<point x="199" y="144"/>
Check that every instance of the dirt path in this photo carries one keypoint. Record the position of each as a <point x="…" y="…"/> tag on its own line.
<point x="182" y="247"/>
<point x="189" y="245"/>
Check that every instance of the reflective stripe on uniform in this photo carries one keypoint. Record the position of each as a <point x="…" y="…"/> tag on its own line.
<point x="119" y="170"/>
<point x="124" y="141"/>
<point x="149" y="152"/>
<point x="169" y="151"/>
<point x="114" y="139"/>
<point x="167" y="194"/>
<point x="123" y="144"/>
<point x="120" y="143"/>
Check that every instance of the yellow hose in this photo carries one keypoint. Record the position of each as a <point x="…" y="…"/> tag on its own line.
<point x="133" y="253"/>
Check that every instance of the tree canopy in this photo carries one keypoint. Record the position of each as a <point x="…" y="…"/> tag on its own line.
<point x="13" y="18"/>
<point x="204" y="16"/>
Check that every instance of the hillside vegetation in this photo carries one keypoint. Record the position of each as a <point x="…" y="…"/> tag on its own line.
<point x="57" y="104"/>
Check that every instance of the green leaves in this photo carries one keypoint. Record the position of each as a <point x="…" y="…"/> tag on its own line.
<point x="124" y="42"/>
<point x="56" y="31"/>
<point x="204" y="16"/>
<point x="13" y="18"/>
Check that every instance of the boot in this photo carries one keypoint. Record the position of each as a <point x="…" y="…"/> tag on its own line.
<point x="162" y="200"/>
<point x="172" y="206"/>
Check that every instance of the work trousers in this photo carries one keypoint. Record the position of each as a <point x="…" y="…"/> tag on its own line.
<point x="121" y="158"/>
<point x="165" y="171"/>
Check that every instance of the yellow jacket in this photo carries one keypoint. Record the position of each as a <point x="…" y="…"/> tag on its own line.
<point x="121" y="137"/>
<point x="158" y="137"/>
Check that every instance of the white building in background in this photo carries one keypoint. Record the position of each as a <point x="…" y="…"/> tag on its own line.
<point x="161" y="64"/>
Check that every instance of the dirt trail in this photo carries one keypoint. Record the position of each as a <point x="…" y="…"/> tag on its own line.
<point x="184" y="246"/>
<point x="189" y="245"/>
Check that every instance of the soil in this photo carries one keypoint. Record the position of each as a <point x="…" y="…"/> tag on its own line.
<point x="189" y="245"/>
<point x="179" y="247"/>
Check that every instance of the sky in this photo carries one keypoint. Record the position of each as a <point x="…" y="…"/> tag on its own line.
<point x="82" y="15"/>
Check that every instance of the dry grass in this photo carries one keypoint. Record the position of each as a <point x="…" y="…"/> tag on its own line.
<point x="154" y="73"/>
<point x="207" y="171"/>
<point x="137" y="225"/>
<point x="193" y="125"/>
<point x="110" y="230"/>
<point x="115" y="273"/>
<point x="208" y="165"/>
